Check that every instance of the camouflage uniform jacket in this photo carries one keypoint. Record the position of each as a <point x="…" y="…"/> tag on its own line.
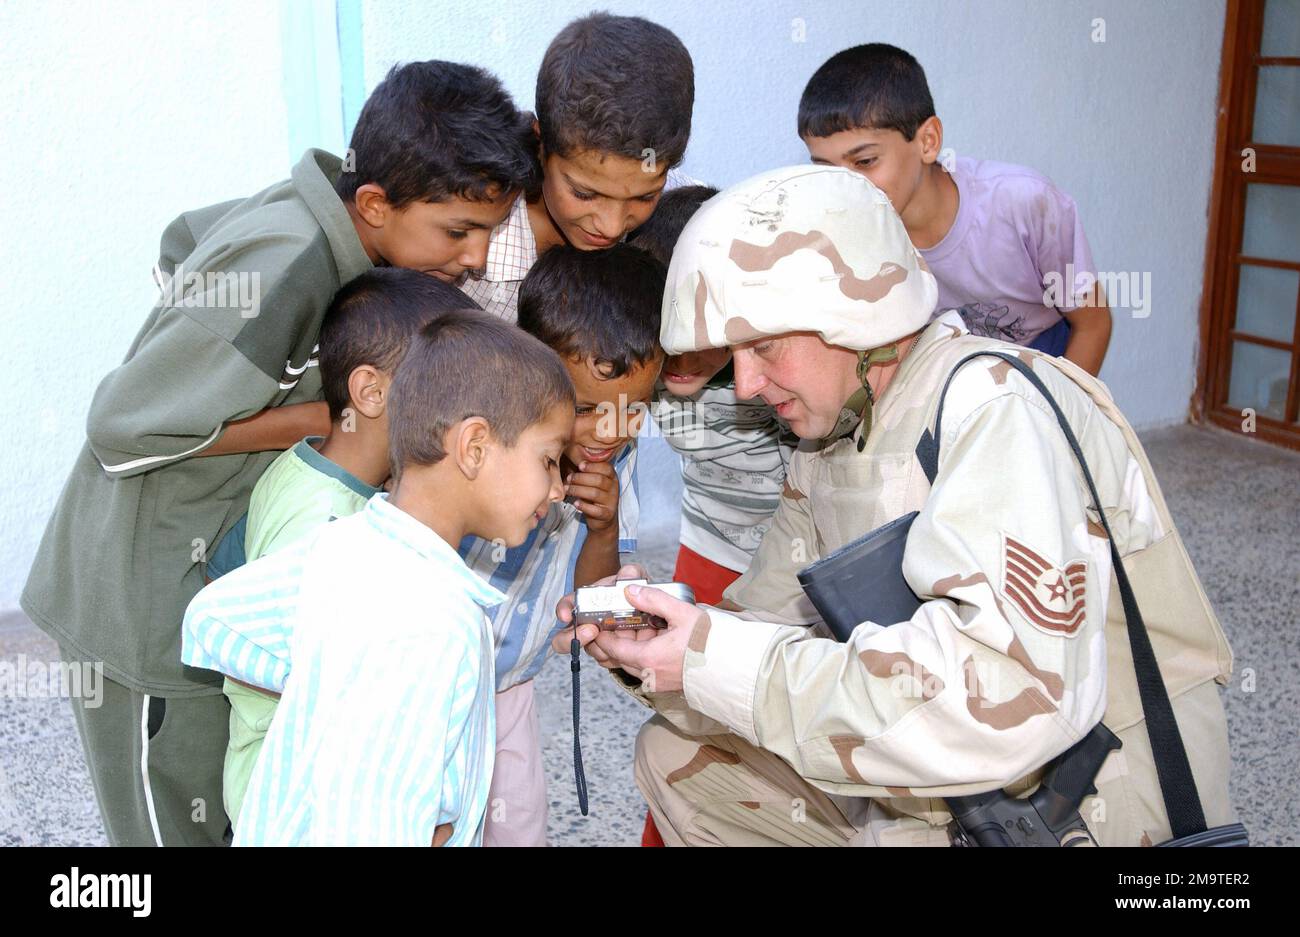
<point x="1012" y="656"/>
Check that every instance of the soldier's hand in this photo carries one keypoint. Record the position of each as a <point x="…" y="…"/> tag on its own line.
<point x="654" y="656"/>
<point x="587" y="633"/>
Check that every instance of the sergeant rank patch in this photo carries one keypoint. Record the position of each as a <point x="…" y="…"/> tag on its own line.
<point x="1052" y="599"/>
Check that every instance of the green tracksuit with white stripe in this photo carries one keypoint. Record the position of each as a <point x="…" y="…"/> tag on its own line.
<point x="244" y="287"/>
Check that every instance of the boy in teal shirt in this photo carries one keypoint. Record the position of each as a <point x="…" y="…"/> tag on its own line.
<point x="218" y="381"/>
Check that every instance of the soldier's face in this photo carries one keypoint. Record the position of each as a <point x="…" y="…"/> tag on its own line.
<point x="804" y="379"/>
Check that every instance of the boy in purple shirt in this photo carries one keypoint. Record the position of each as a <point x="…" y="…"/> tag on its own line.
<point x="1005" y="245"/>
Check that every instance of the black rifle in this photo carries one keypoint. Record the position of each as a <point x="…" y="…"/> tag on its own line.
<point x="1047" y="817"/>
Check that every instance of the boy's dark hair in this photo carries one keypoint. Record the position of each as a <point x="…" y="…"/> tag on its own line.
<point x="470" y="363"/>
<point x="597" y="305"/>
<point x="371" y="321"/>
<point x="436" y="130"/>
<point x="661" y="233"/>
<point x="616" y="84"/>
<point x="658" y="236"/>
<point x="874" y="86"/>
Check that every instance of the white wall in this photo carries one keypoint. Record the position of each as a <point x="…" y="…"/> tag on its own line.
<point x="116" y="118"/>
<point x="119" y="116"/>
<point x="1126" y="126"/>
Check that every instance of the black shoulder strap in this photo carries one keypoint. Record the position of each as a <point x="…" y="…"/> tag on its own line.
<point x="1177" y="786"/>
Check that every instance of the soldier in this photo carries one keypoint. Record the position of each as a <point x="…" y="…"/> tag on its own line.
<point x="767" y="731"/>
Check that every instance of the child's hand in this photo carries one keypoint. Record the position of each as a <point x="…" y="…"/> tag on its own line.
<point x="594" y="488"/>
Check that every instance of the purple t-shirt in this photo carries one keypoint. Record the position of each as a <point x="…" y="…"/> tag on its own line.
<point x="1015" y="255"/>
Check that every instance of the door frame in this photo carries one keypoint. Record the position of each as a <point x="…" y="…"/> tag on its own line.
<point x="1273" y="164"/>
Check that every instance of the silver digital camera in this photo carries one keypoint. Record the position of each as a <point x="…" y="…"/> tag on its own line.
<point x="607" y="607"/>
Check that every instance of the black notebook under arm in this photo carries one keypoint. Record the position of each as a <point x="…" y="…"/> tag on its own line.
<point x="863" y="581"/>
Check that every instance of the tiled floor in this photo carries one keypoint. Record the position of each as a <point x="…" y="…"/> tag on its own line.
<point x="1237" y="504"/>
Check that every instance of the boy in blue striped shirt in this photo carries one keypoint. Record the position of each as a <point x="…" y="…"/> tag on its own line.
<point x="385" y="732"/>
<point x="599" y="310"/>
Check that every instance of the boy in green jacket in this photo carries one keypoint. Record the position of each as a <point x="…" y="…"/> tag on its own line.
<point x="221" y="378"/>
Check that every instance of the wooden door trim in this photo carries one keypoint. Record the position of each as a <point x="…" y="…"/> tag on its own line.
<point x="1274" y="164"/>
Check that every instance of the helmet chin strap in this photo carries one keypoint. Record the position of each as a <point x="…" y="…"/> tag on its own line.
<point x="857" y="409"/>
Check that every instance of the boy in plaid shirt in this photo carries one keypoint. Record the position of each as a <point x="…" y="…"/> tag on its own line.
<point x="614" y="99"/>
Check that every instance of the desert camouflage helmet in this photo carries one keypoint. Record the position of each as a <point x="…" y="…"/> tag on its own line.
<point x="805" y="248"/>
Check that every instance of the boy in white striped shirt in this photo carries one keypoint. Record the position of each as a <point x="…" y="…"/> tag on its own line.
<point x="385" y="732"/>
<point x="614" y="97"/>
